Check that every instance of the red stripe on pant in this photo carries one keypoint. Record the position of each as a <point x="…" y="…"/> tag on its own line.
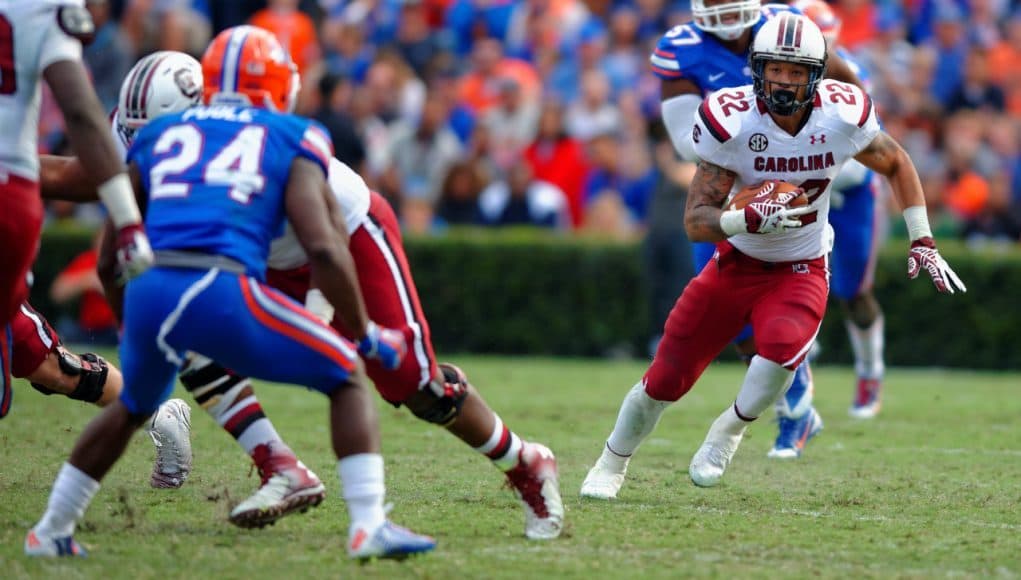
<point x="296" y="334"/>
<point x="29" y="348"/>
<point x="385" y="292"/>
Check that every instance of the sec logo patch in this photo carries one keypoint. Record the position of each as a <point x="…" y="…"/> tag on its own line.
<point x="758" y="142"/>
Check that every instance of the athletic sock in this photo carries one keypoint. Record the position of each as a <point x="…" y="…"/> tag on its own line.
<point x="219" y="392"/>
<point x="361" y="476"/>
<point x="72" y="492"/>
<point x="503" y="447"/>
<point x="867" y="344"/>
<point x="763" y="383"/>
<point x="638" y="416"/>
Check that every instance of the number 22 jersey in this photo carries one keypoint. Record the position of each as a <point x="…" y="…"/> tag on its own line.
<point x="216" y="177"/>
<point x="734" y="130"/>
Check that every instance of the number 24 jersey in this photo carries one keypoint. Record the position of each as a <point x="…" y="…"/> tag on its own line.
<point x="216" y="176"/>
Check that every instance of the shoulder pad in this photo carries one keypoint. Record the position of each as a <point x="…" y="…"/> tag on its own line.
<point x="316" y="142"/>
<point x="721" y="112"/>
<point x="845" y="101"/>
<point x="76" y="22"/>
<point x="342" y="178"/>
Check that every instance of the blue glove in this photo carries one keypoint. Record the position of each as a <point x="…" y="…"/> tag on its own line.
<point x="383" y="344"/>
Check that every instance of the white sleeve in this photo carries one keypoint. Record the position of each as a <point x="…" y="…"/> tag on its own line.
<point x="57" y="45"/>
<point x="679" y="119"/>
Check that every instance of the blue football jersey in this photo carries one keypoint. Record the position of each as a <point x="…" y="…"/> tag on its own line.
<point x="215" y="178"/>
<point x="686" y="52"/>
<point x="861" y="72"/>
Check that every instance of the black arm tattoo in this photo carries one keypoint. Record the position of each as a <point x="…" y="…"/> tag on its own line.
<point x="708" y="191"/>
<point x="887" y="158"/>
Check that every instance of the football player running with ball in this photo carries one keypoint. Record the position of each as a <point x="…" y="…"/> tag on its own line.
<point x="692" y="60"/>
<point x="770" y="265"/>
<point x="220" y="181"/>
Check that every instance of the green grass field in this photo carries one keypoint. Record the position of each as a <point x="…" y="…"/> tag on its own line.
<point x="929" y="489"/>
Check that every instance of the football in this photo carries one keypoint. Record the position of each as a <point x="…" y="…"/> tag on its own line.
<point x="744" y="196"/>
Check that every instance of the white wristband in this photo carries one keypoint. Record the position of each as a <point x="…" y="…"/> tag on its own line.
<point x="119" y="199"/>
<point x="318" y="305"/>
<point x="917" y="221"/>
<point x="732" y="222"/>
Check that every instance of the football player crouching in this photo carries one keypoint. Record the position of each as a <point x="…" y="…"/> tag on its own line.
<point x="41" y="358"/>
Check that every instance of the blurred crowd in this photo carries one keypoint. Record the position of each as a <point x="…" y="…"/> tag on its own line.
<point x="545" y="112"/>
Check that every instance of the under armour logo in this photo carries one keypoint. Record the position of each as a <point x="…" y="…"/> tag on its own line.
<point x="821" y="138"/>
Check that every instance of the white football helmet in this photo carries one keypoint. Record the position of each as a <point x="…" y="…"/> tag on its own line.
<point x="788" y="37"/>
<point x="163" y="82"/>
<point x="725" y="19"/>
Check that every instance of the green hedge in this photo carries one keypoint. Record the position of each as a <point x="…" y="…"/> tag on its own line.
<point x="521" y="292"/>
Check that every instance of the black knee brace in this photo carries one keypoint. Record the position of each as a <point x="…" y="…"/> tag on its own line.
<point x="440" y="404"/>
<point x="91" y="370"/>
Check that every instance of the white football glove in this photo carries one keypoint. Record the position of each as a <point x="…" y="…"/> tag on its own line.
<point x="765" y="215"/>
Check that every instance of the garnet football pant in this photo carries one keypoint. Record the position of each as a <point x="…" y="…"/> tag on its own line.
<point x="34" y="339"/>
<point x="21" y="221"/>
<point x="390" y="299"/>
<point x="783" y="301"/>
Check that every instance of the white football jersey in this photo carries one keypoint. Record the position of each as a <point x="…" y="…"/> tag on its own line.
<point x="31" y="39"/>
<point x="734" y="130"/>
<point x="352" y="194"/>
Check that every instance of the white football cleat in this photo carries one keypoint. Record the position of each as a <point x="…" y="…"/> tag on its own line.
<point x="170" y="430"/>
<point x="712" y="458"/>
<point x="535" y="483"/>
<point x="287" y="487"/>
<point x="38" y="545"/>
<point x="387" y="541"/>
<point x="606" y="477"/>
